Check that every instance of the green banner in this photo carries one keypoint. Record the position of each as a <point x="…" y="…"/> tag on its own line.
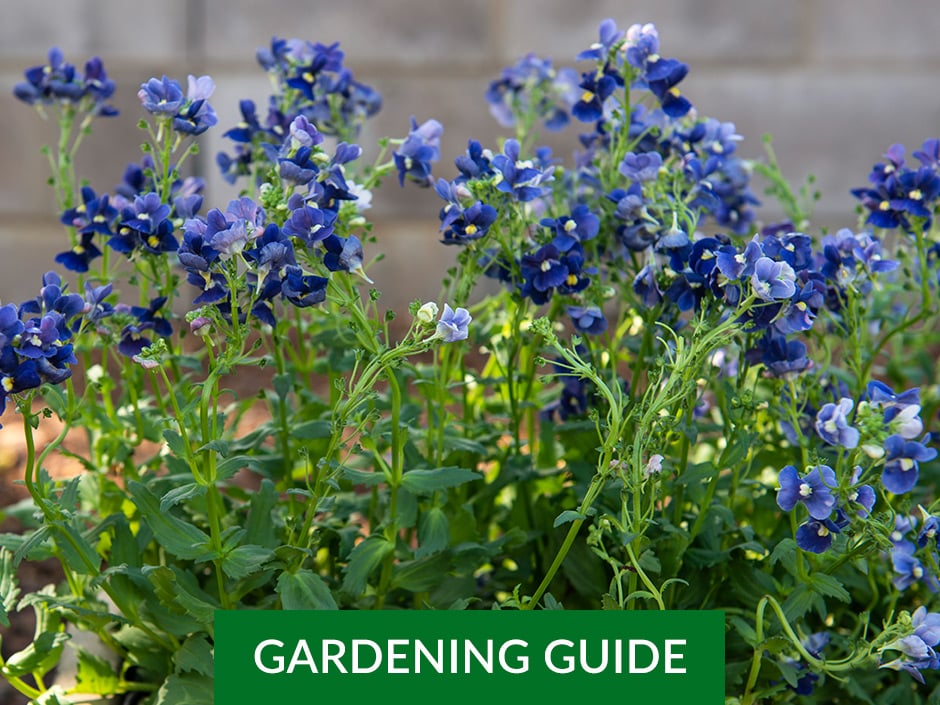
<point x="456" y="657"/>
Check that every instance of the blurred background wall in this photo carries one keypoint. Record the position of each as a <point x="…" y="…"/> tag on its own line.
<point x="835" y="81"/>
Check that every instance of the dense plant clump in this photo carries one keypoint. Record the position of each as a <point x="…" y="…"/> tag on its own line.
<point x="667" y="403"/>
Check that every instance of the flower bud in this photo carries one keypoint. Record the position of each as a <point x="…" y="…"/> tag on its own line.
<point x="427" y="313"/>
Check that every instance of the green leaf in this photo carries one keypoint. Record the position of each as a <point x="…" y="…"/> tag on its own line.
<point x="282" y="385"/>
<point x="421" y="574"/>
<point x="77" y="553"/>
<point x="362" y="477"/>
<point x="427" y="481"/>
<point x="95" y="675"/>
<point x="179" y="592"/>
<point x="744" y="629"/>
<point x="567" y="516"/>
<point x="364" y="559"/>
<point x="304" y="590"/>
<point x="608" y="602"/>
<point x="179" y="537"/>
<point x="245" y="560"/>
<point x="829" y="586"/>
<point x="39" y="657"/>
<point x="175" y="441"/>
<point x="9" y="590"/>
<point x="187" y="689"/>
<point x="181" y="494"/>
<point x="194" y="656"/>
<point x="433" y="532"/>
<point x="259" y="527"/>
<point x="310" y="430"/>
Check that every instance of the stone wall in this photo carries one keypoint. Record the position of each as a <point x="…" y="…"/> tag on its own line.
<point x="835" y="81"/>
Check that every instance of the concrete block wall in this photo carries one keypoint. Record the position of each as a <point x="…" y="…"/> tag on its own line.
<point x="835" y="81"/>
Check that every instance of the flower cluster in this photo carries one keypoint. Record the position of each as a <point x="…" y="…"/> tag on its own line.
<point x="59" y="82"/>
<point x="35" y="337"/>
<point x="898" y="193"/>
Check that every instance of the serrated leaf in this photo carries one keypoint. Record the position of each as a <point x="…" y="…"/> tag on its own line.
<point x="245" y="560"/>
<point x="433" y="532"/>
<point x="744" y="629"/>
<point x="181" y="494"/>
<point x="175" y="441"/>
<point x="609" y="603"/>
<point x="829" y="586"/>
<point x="304" y="590"/>
<point x="550" y="603"/>
<point x="180" y="592"/>
<point x="95" y="675"/>
<point x="194" y="656"/>
<point x="186" y="689"/>
<point x="179" y="537"/>
<point x="427" y="481"/>
<point x="77" y="553"/>
<point x="364" y="559"/>
<point x="567" y="516"/>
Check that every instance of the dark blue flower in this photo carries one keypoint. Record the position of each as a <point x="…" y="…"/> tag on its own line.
<point x="816" y="535"/>
<point x="596" y="87"/>
<point x="909" y="568"/>
<point x="588" y="319"/>
<point x="518" y="177"/>
<point x="418" y="150"/>
<point x="344" y="255"/>
<point x="641" y="167"/>
<point x="533" y="85"/>
<point x="609" y="38"/>
<point x="307" y="222"/>
<point x="662" y="77"/>
<point x="78" y="258"/>
<point x="578" y="227"/>
<point x="134" y="335"/>
<point x="814" y="490"/>
<point x="928" y="530"/>
<point x="144" y="225"/>
<point x="465" y="225"/>
<point x="195" y="115"/>
<point x="301" y="289"/>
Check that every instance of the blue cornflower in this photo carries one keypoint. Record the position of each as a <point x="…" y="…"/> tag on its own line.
<point x="454" y="325"/>
<point x="814" y="490"/>
<point x="588" y="319"/>
<point x="643" y="166"/>
<point x="902" y="463"/>
<point x="832" y="424"/>
<point x="816" y="535"/>
<point x="772" y="280"/>
<point x="421" y="147"/>
<point x="581" y="225"/>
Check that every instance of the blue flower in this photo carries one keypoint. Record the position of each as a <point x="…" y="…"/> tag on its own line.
<point x="772" y="280"/>
<point x="902" y="463"/>
<point x="518" y="177"/>
<point x="195" y="115"/>
<point x="662" y="78"/>
<point x="610" y="37"/>
<point x="145" y="225"/>
<point x="928" y="530"/>
<point x="301" y="289"/>
<point x="78" y="259"/>
<point x="832" y="424"/>
<point x="344" y="255"/>
<point x="548" y="269"/>
<point x="307" y="222"/>
<point x="161" y="96"/>
<point x="596" y="88"/>
<point x="816" y="535"/>
<point x="58" y="82"/>
<point x="453" y="325"/>
<point x="641" y="167"/>
<point x="465" y="225"/>
<point x="533" y="85"/>
<point x="133" y="335"/>
<point x="588" y="319"/>
<point x="814" y="490"/>
<point x="909" y="569"/>
<point x="581" y="225"/>
<point x="421" y="147"/>
<point x="861" y="496"/>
